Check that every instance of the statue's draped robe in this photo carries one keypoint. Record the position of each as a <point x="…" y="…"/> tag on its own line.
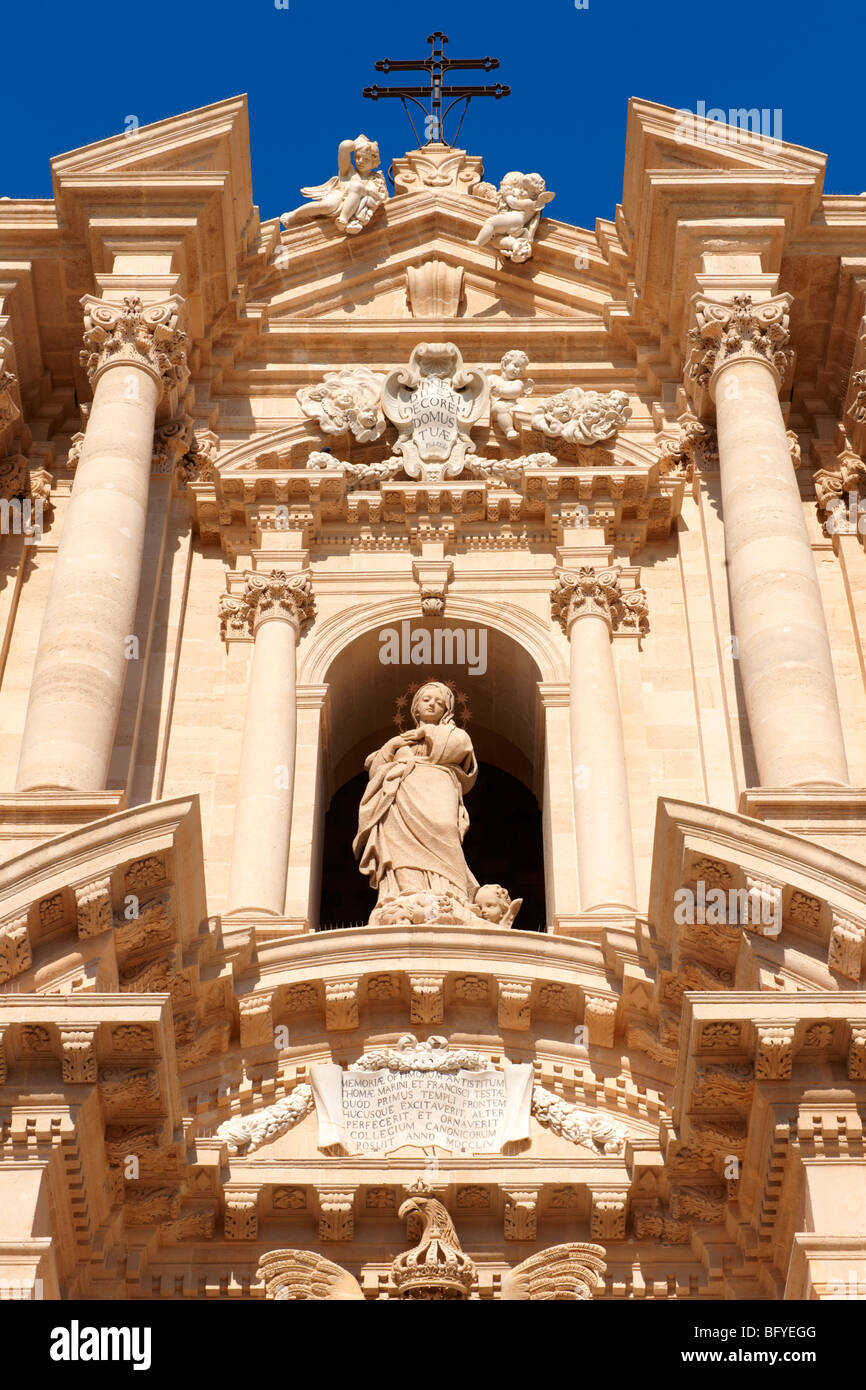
<point x="412" y="820"/>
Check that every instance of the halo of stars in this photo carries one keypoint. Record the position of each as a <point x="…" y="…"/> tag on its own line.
<point x="403" y="704"/>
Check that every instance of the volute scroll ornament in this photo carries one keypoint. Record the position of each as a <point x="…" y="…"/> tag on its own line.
<point x="599" y="593"/>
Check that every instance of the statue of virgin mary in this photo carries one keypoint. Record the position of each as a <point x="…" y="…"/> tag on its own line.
<point x="412" y="820"/>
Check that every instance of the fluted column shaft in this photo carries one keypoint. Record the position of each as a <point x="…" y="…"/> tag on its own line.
<point x="81" y="660"/>
<point x="778" y="616"/>
<point x="275" y="606"/>
<point x="586" y="603"/>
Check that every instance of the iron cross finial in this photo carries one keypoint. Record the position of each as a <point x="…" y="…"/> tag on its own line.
<point x="436" y="65"/>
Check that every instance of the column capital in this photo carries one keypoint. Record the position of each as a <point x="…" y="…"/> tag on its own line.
<point x="266" y="595"/>
<point x="739" y="329"/>
<point x="589" y="592"/>
<point x="147" y="336"/>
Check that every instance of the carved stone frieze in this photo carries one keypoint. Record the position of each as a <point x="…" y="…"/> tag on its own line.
<point x="256" y="1020"/>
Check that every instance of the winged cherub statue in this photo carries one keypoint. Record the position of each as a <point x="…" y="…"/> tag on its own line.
<point x="521" y="200"/>
<point x="353" y="194"/>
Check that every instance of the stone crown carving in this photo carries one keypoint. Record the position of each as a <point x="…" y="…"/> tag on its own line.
<point x="599" y="593"/>
<point x="267" y="594"/>
<point x="437" y="1267"/>
<point x="740" y="329"/>
<point x="150" y="337"/>
<point x="582" y="417"/>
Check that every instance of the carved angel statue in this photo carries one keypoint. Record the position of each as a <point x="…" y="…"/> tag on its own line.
<point x="507" y="386"/>
<point x="353" y="195"/>
<point x="521" y="200"/>
<point x="346" y="402"/>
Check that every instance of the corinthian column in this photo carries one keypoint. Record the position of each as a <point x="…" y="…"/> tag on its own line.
<point x="274" y="607"/>
<point x="588" y="603"/>
<point x="133" y="355"/>
<point x="778" y="616"/>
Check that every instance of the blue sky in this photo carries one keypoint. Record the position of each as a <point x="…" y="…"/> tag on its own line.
<point x="74" y="75"/>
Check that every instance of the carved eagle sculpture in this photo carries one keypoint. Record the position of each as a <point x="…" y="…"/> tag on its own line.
<point x="560" y="1272"/>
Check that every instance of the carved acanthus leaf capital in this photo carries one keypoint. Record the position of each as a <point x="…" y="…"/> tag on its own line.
<point x="589" y="592"/>
<point x="740" y="329"/>
<point x="267" y="594"/>
<point x="150" y="337"/>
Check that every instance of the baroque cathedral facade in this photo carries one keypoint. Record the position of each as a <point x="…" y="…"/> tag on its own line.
<point x="432" y="683"/>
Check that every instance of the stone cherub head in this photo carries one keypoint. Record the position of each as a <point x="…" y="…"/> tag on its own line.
<point x="494" y="904"/>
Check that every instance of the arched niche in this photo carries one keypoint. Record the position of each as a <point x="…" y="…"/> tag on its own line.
<point x="361" y="692"/>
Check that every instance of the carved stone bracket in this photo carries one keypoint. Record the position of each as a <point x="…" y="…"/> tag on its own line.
<point x="857" y="1051"/>
<point x="608" y="1215"/>
<point x="600" y="1018"/>
<point x="336" y="1214"/>
<point x="78" y="1047"/>
<point x="341" y="1004"/>
<point x="241" y="1218"/>
<point x="93" y="907"/>
<point x="427" y="998"/>
<point x="15" y="952"/>
<point x="256" y="1019"/>
<point x="845" y="954"/>
<point x="514" y="1006"/>
<point x="521" y="1214"/>
<point x="774" y="1056"/>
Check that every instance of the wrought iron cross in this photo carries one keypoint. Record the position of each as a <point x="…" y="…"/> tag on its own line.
<point x="436" y="65"/>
